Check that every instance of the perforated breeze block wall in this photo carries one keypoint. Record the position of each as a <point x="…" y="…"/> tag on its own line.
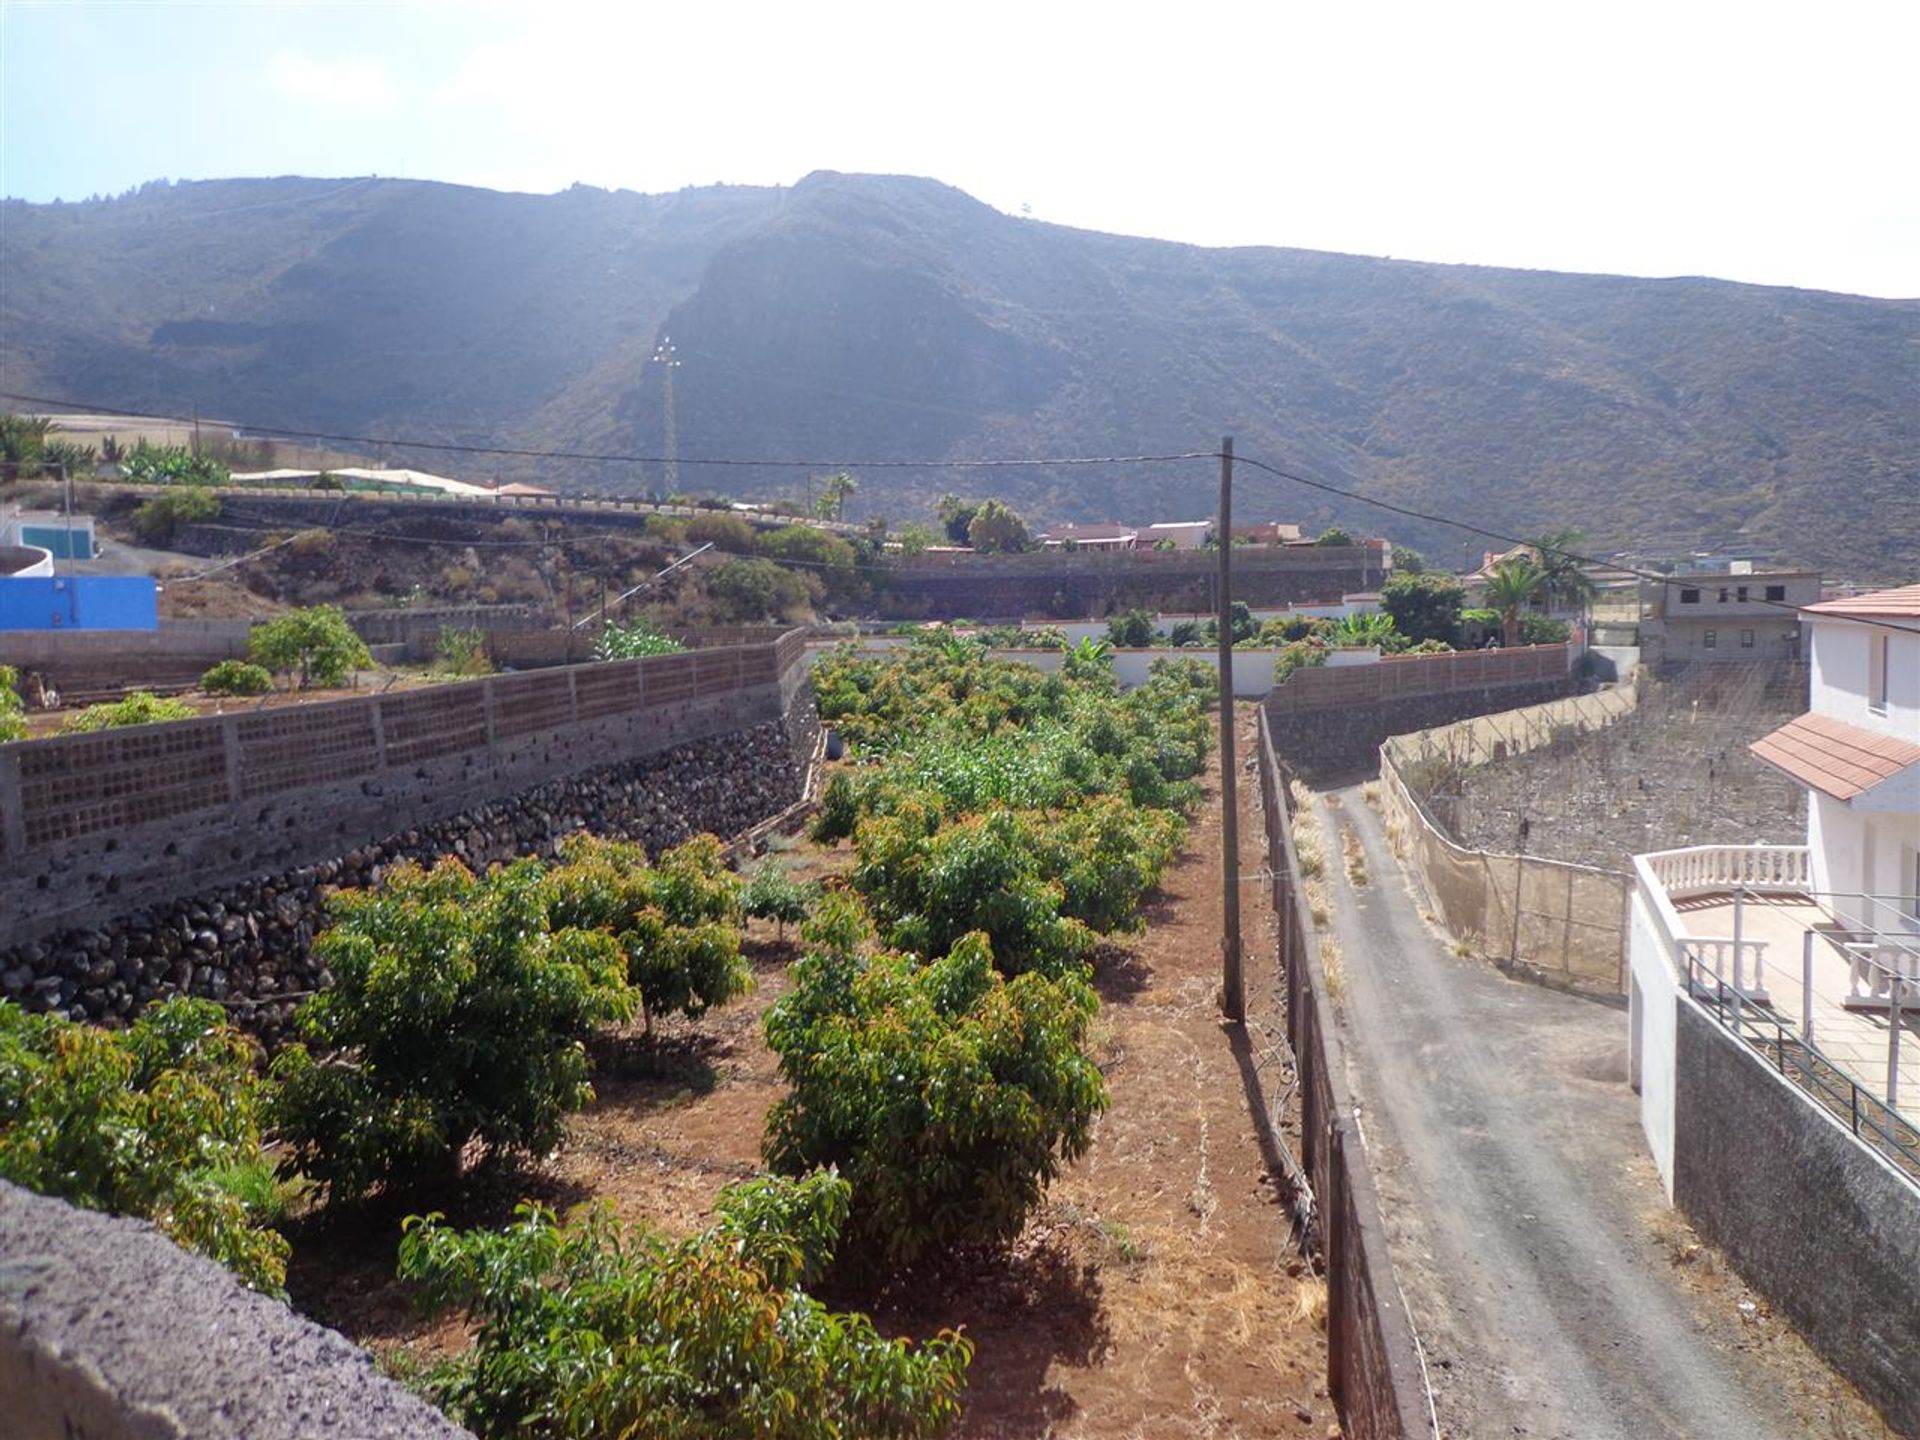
<point x="92" y="826"/>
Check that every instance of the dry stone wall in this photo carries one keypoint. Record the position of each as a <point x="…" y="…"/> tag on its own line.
<point x="194" y="858"/>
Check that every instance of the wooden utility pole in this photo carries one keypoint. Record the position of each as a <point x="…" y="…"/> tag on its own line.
<point x="1233" y="992"/>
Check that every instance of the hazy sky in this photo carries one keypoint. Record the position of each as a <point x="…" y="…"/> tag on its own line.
<point x="1755" y="141"/>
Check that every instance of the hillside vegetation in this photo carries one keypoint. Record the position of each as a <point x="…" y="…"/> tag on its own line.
<point x="867" y="316"/>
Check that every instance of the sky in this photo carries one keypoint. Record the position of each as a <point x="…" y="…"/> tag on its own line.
<point x="1761" y="142"/>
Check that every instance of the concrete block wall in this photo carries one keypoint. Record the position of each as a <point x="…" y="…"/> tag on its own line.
<point x="96" y="825"/>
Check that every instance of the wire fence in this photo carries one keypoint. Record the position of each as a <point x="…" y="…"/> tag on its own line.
<point x="1555" y="919"/>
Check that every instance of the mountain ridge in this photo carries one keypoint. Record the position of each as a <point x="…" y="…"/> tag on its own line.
<point x="896" y="317"/>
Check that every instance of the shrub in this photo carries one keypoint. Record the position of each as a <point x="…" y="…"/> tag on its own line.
<point x="835" y="561"/>
<point x="722" y="531"/>
<point x="316" y="644"/>
<point x="462" y="652"/>
<point x="774" y="895"/>
<point x="946" y="1094"/>
<point x="748" y="591"/>
<point x="632" y="640"/>
<point x="598" y="1329"/>
<point x="156" y="520"/>
<point x="1300" y="655"/>
<point x="674" y="922"/>
<point x="1334" y="535"/>
<point x="142" y="707"/>
<point x="160" y="1120"/>
<point x="1543" y="630"/>
<point x="455" y="1015"/>
<point x="236" y="677"/>
<point x="13" y="710"/>
<point x="1131" y="631"/>
<point x="985" y="873"/>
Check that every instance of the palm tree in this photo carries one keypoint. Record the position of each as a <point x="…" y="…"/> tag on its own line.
<point x="1562" y="580"/>
<point x="1510" y="589"/>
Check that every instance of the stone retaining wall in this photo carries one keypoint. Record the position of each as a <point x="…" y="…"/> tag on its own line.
<point x="248" y="945"/>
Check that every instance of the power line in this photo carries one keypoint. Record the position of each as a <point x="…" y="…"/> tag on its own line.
<point x="608" y="458"/>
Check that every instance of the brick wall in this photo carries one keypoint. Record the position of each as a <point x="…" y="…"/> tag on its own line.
<point x="1402" y="677"/>
<point x="93" y="825"/>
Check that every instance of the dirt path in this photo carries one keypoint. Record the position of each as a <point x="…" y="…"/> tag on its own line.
<point x="1157" y="1294"/>
<point x="1528" y="1227"/>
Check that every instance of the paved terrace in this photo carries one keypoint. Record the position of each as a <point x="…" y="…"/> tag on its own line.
<point x="1779" y="966"/>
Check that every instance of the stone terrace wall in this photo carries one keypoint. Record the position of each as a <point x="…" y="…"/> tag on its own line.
<point x="1332" y="720"/>
<point x="96" y="826"/>
<point x="1082" y="583"/>
<point x="248" y="944"/>
<point x="110" y="1331"/>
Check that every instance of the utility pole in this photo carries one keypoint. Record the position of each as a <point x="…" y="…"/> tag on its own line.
<point x="664" y="357"/>
<point x="1233" y="991"/>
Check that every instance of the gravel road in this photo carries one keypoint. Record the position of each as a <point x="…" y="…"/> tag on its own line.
<point x="1518" y="1194"/>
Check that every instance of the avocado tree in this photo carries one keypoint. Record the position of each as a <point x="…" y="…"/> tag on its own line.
<point x="316" y="646"/>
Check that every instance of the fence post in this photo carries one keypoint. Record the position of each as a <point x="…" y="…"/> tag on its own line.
<point x="1806" y="987"/>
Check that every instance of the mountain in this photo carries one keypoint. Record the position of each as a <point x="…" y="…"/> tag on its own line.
<point x="864" y="317"/>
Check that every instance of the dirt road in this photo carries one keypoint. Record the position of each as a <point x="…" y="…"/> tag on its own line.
<point x="1528" y="1227"/>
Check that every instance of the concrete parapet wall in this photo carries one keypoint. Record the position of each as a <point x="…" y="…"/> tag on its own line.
<point x="1409" y="677"/>
<point x="109" y="1331"/>
<point x="1078" y="584"/>
<point x="1827" y="1230"/>
<point x="92" y="826"/>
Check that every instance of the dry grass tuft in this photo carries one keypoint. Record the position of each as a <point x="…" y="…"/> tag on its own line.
<point x="1333" y="962"/>
<point x="1319" y="904"/>
<point x="1310" y="1301"/>
<point x="1356" y="858"/>
<point x="1370" y="792"/>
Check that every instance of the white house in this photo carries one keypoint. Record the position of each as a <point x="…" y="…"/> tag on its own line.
<point x="1857" y="751"/>
<point x="1185" y="534"/>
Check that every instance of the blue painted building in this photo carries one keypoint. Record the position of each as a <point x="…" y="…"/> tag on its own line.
<point x="79" y="602"/>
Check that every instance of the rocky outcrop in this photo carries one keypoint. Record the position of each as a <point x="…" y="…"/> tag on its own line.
<point x="249" y="945"/>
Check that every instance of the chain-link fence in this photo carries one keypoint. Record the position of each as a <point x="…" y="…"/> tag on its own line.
<point x="1561" y="921"/>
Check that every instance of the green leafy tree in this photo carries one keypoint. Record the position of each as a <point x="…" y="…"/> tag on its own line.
<point x="1092" y="660"/>
<point x="773" y="894"/>
<point x="914" y="540"/>
<point x="995" y="528"/>
<point x="1165" y="545"/>
<point x="676" y="922"/>
<point x="1543" y="630"/>
<point x="1512" y="586"/>
<point x="1407" y="560"/>
<point x="722" y="531"/>
<point x="13" y="710"/>
<point x="1333" y="535"/>
<point x="1424" y="605"/>
<point x="22" y="440"/>
<point x="956" y="517"/>
<point x="236" y="677"/>
<point x="1300" y="655"/>
<point x="66" y="459"/>
<point x="595" y="1329"/>
<point x="1185" y="634"/>
<point x="142" y="707"/>
<point x="151" y="464"/>
<point x="160" y="1120"/>
<point x="1286" y="629"/>
<point x="156" y="521"/>
<point x="948" y="1095"/>
<point x="316" y="645"/>
<point x="455" y="1016"/>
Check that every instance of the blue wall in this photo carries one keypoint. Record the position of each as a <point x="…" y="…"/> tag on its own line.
<point x="79" y="602"/>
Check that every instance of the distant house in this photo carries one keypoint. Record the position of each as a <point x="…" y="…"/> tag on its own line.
<point x="1267" y="532"/>
<point x="1718" y="616"/>
<point x="362" y="477"/>
<point x="515" y="490"/>
<point x="1185" y="534"/>
<point x="1103" y="535"/>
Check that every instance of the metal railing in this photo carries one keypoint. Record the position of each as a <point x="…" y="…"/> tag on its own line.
<point x="1870" y="1119"/>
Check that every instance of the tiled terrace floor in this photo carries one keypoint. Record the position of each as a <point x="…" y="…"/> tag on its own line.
<point x="1854" y="1041"/>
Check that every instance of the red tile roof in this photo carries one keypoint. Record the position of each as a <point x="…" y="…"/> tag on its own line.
<point x="1901" y="603"/>
<point x="1834" y="757"/>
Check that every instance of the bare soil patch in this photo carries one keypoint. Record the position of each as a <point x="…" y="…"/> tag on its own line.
<point x="1156" y="1294"/>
